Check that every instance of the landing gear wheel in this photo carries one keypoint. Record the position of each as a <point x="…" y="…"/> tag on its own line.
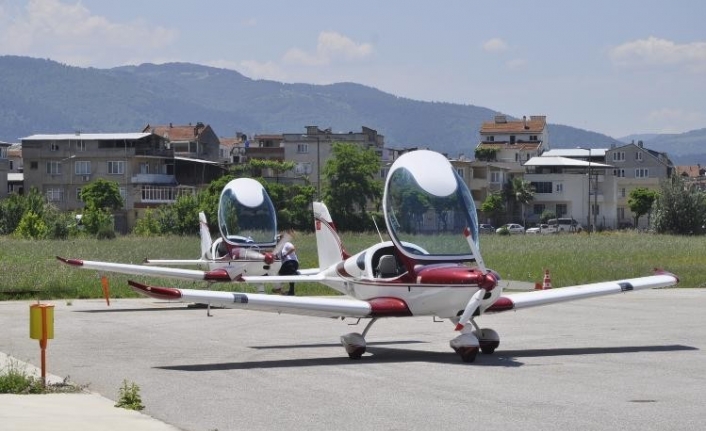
<point x="468" y="354"/>
<point x="356" y="354"/>
<point x="488" y="339"/>
<point x="488" y="348"/>
<point x="354" y="344"/>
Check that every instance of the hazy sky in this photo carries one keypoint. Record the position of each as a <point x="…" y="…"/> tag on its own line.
<point x="611" y="66"/>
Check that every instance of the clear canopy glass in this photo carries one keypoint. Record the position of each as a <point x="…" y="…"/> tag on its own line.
<point x="246" y="215"/>
<point x="429" y="205"/>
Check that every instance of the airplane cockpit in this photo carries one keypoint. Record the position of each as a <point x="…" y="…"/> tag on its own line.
<point x="246" y="215"/>
<point x="427" y="204"/>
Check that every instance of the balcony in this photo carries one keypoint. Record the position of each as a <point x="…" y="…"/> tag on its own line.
<point x="153" y="179"/>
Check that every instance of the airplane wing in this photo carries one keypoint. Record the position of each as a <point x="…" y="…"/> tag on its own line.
<point x="334" y="306"/>
<point x="518" y="301"/>
<point x="224" y="274"/>
<point x="221" y="274"/>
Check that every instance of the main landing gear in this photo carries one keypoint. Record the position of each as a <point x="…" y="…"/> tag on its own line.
<point x="467" y="344"/>
<point x="354" y="343"/>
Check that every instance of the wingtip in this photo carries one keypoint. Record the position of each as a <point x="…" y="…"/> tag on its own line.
<point x="156" y="292"/>
<point x="459" y="327"/>
<point x="74" y="262"/>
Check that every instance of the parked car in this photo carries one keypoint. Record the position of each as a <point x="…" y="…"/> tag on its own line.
<point x="511" y="227"/>
<point x="563" y="224"/>
<point x="486" y="228"/>
<point x="542" y="228"/>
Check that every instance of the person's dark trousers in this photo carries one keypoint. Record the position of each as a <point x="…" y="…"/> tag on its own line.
<point x="289" y="267"/>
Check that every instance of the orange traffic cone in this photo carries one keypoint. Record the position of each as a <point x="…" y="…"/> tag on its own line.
<point x="547" y="280"/>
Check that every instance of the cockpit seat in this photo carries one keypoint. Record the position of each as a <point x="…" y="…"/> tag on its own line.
<point x="387" y="266"/>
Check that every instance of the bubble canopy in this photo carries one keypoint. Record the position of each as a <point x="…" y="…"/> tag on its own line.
<point x="246" y="215"/>
<point x="427" y="204"/>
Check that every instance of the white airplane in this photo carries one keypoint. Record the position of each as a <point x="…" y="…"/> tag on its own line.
<point x="248" y="244"/>
<point x="431" y="267"/>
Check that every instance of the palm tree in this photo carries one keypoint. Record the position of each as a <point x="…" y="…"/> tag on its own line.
<point x="522" y="192"/>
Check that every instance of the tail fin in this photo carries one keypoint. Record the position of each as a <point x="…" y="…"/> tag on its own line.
<point x="328" y="243"/>
<point x="205" y="237"/>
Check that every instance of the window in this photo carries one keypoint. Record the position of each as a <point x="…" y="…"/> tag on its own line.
<point x="622" y="192"/>
<point x="123" y="193"/>
<point x="55" y="194"/>
<point x="595" y="209"/>
<point x="302" y="148"/>
<point x="533" y="138"/>
<point x="116" y="168"/>
<point x="642" y="173"/>
<point x="512" y="139"/>
<point x="538" y="209"/>
<point x="82" y="168"/>
<point x="302" y="168"/>
<point x="491" y="138"/>
<point x="54" y="146"/>
<point x="619" y="172"/>
<point x="619" y="156"/>
<point x="80" y="145"/>
<point x="542" y="186"/>
<point x="144" y="168"/>
<point x="621" y="213"/>
<point x="54" y="168"/>
<point x="496" y="177"/>
<point x="459" y="171"/>
<point x="78" y="194"/>
<point x="560" y="188"/>
<point x="561" y="210"/>
<point x="638" y="156"/>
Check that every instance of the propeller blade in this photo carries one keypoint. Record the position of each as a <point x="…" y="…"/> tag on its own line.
<point x="471" y="307"/>
<point x="475" y="250"/>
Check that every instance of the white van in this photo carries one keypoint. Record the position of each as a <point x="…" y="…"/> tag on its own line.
<point x="562" y="224"/>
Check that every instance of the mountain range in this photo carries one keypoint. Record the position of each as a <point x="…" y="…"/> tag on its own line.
<point x="44" y="96"/>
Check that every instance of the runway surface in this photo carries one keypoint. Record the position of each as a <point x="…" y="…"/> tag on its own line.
<point x="633" y="361"/>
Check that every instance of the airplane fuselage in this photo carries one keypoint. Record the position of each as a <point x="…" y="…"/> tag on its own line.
<point x="440" y="289"/>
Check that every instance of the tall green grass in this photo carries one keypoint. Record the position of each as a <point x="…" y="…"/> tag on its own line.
<point x="29" y="269"/>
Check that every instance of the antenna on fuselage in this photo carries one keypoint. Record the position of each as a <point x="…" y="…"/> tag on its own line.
<point x="377" y="228"/>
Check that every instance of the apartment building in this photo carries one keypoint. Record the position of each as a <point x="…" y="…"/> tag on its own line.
<point x="143" y="165"/>
<point x="4" y="168"/>
<point x="504" y="146"/>
<point x="635" y="166"/>
<point x="311" y="150"/>
<point x="593" y="185"/>
<point x="197" y="142"/>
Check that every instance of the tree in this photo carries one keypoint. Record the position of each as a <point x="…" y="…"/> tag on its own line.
<point x="101" y="197"/>
<point x="640" y="201"/>
<point x="522" y="192"/>
<point x="351" y="184"/>
<point x="493" y="205"/>
<point x="680" y="209"/>
<point x="102" y="194"/>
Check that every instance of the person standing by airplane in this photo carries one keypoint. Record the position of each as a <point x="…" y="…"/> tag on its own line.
<point x="290" y="265"/>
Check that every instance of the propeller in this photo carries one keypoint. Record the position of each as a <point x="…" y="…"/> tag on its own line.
<point x="471" y="307"/>
<point x="487" y="284"/>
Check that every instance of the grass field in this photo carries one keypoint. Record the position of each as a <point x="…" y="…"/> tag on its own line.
<point x="29" y="269"/>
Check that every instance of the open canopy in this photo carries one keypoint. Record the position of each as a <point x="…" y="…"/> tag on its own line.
<point x="427" y="204"/>
<point x="246" y="216"/>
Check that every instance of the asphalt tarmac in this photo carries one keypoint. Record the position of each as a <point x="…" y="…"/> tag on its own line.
<point x="632" y="361"/>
